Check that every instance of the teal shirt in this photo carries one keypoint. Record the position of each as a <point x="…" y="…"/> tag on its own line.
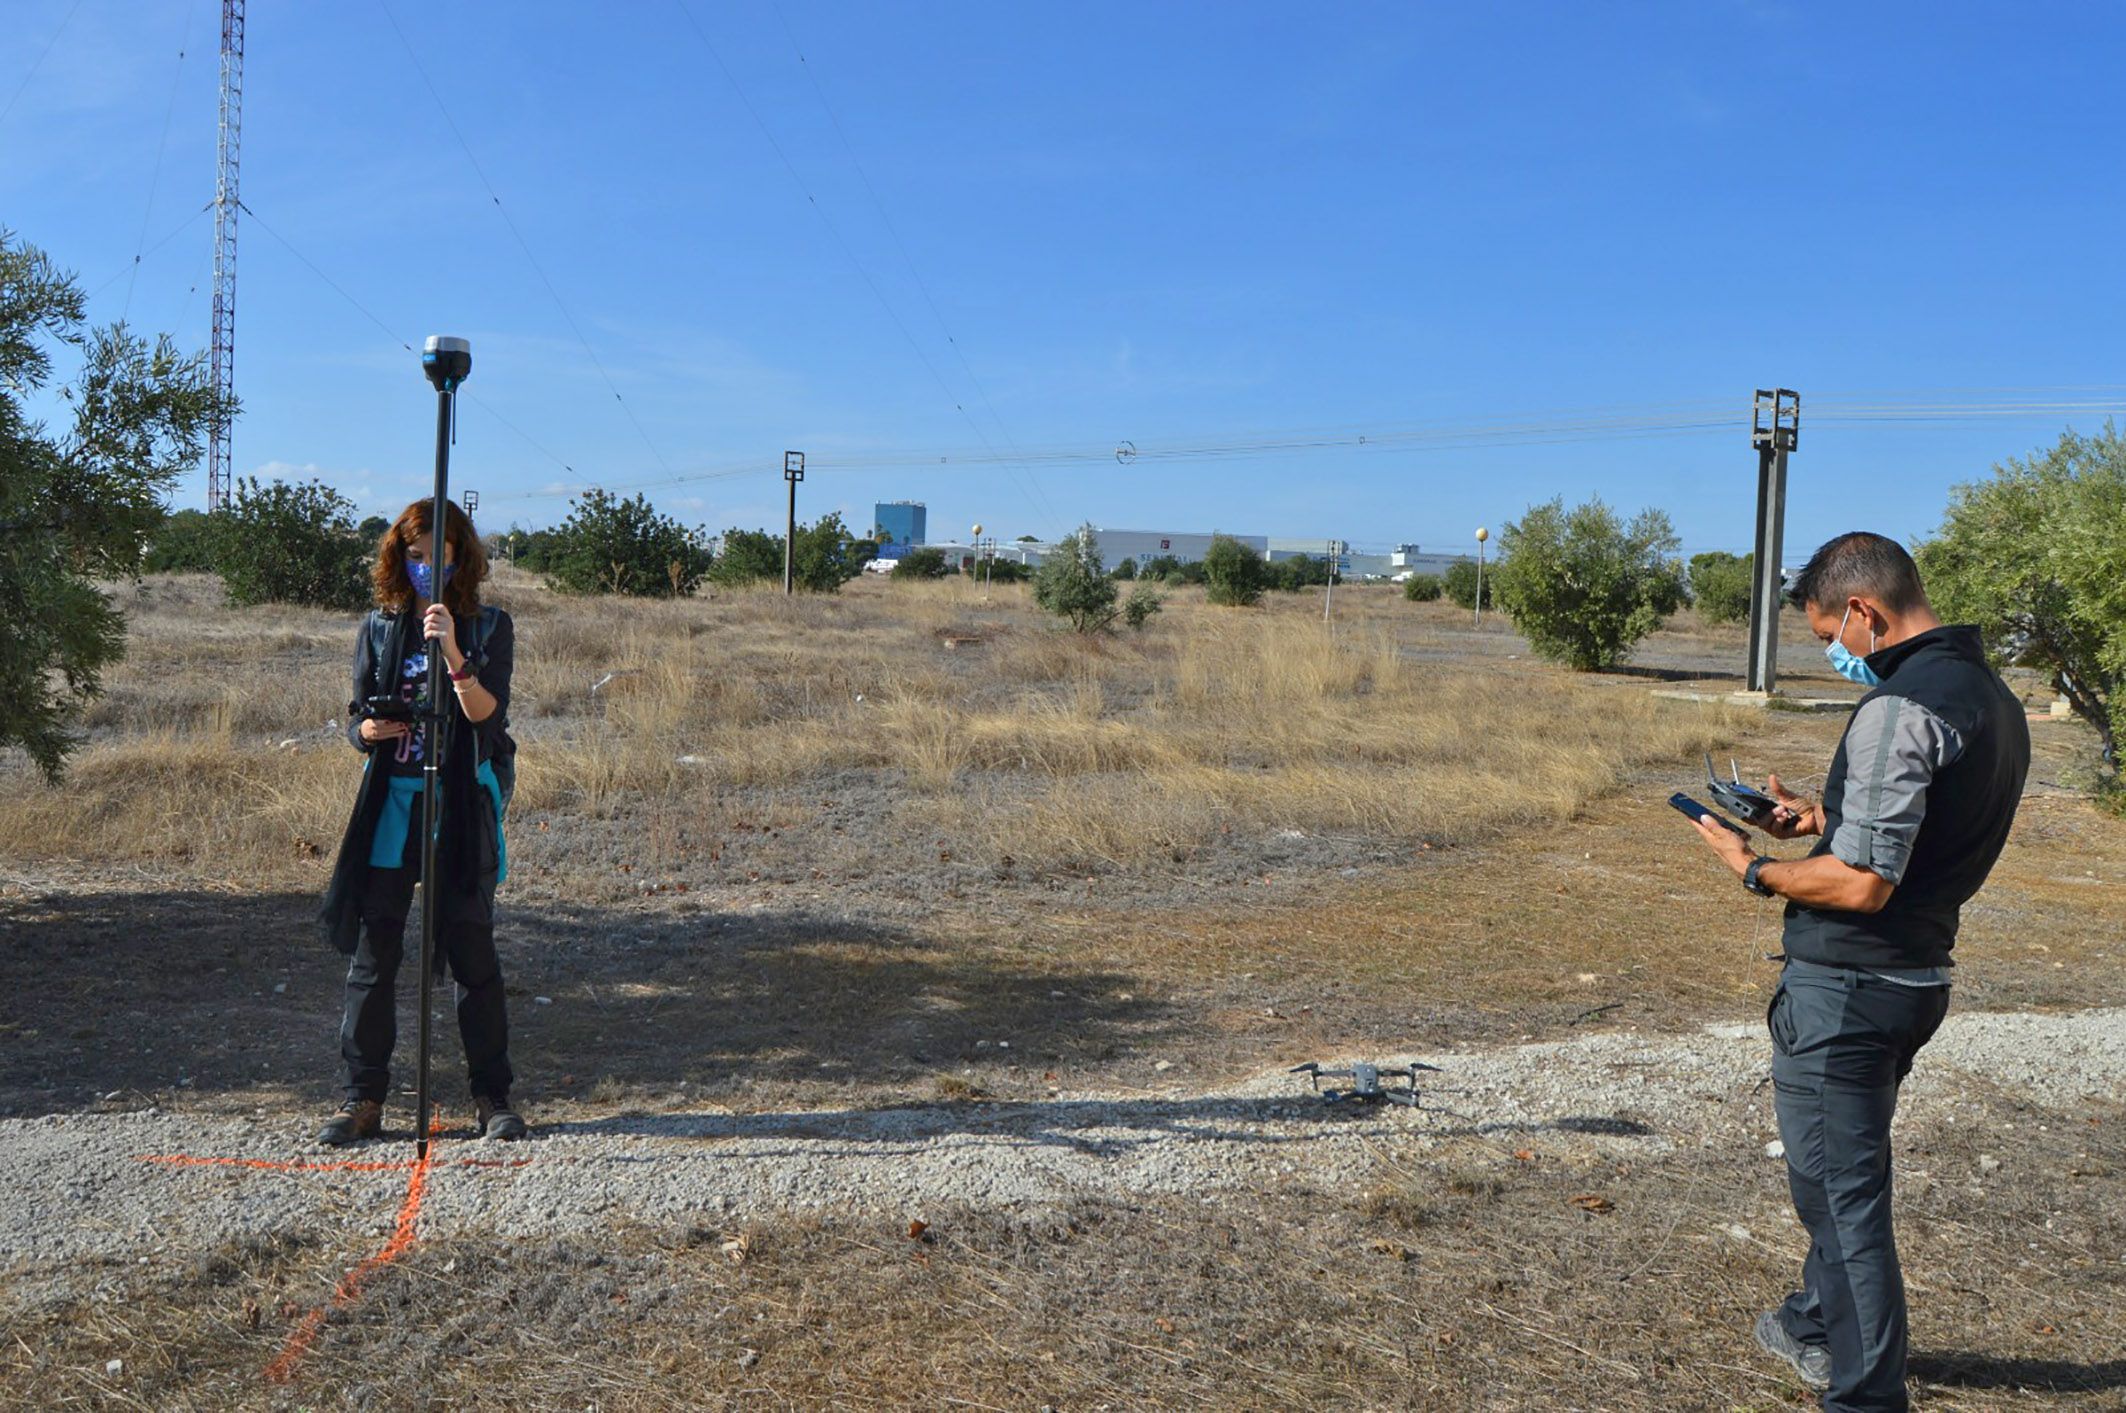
<point x="387" y="847"/>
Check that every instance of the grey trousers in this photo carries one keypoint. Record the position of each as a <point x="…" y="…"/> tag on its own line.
<point x="1842" y="1042"/>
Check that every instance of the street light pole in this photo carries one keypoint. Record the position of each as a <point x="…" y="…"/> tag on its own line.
<point x="1482" y="535"/>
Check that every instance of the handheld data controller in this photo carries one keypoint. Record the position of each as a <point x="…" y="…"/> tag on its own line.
<point x="1737" y="798"/>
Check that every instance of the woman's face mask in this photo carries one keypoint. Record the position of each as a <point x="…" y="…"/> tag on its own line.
<point x="1845" y="662"/>
<point x="423" y="576"/>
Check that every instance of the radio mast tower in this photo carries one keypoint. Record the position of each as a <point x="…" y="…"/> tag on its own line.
<point x="222" y="355"/>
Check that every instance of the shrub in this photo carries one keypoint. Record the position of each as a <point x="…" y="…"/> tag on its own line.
<point x="1720" y="585"/>
<point x="613" y="546"/>
<point x="1301" y="571"/>
<point x="1160" y="568"/>
<point x="925" y="563"/>
<point x="827" y="555"/>
<point x="1008" y="571"/>
<point x="1583" y="586"/>
<point x="1422" y="588"/>
<point x="1461" y="582"/>
<point x="2036" y="557"/>
<point x="1127" y="569"/>
<point x="277" y="543"/>
<point x="1234" y="572"/>
<point x="747" y="556"/>
<point x="1072" y="585"/>
<point x="1142" y="605"/>
<point x="182" y="544"/>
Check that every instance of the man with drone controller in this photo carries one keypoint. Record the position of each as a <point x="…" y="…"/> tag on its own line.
<point x="1916" y="807"/>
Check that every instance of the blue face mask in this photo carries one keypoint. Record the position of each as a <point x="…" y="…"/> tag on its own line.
<point x="1844" y="661"/>
<point x="423" y="576"/>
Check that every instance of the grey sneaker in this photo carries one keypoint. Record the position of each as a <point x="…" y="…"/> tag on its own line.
<point x="356" y="1120"/>
<point x="499" y="1121"/>
<point x="1811" y="1361"/>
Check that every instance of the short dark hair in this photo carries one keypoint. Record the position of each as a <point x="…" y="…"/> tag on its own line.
<point x="1859" y="563"/>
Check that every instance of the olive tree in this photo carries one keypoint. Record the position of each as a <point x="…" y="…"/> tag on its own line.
<point x="2036" y="557"/>
<point x="1584" y="586"/>
<point x="79" y="504"/>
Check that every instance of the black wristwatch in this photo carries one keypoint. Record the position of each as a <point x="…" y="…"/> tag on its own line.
<point x="1750" y="879"/>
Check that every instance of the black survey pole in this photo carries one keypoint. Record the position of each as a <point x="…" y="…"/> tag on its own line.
<point x="1775" y="430"/>
<point x="447" y="362"/>
<point x="793" y="471"/>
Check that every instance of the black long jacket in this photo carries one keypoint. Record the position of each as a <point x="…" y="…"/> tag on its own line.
<point x="470" y="851"/>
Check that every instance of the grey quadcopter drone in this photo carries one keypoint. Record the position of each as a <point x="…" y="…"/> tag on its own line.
<point x="1366" y="1087"/>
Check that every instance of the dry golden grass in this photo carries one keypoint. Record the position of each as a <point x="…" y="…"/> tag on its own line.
<point x="213" y="745"/>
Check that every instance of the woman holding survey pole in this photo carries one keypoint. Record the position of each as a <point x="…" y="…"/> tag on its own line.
<point x="420" y="610"/>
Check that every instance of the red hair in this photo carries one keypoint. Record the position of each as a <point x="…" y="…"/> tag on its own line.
<point x="468" y="561"/>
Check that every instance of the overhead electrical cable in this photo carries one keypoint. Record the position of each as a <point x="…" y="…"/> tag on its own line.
<point x="42" y="55"/>
<point x="131" y="265"/>
<point x="922" y="285"/>
<point x="399" y="339"/>
<point x="842" y="242"/>
<point x="162" y="145"/>
<point x="518" y="235"/>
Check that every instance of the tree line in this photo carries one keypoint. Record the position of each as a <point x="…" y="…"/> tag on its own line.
<point x="2034" y="554"/>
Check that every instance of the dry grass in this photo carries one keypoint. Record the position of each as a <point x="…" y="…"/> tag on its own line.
<point x="1014" y="739"/>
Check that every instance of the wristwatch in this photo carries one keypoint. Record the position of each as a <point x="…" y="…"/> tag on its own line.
<point x="1750" y="879"/>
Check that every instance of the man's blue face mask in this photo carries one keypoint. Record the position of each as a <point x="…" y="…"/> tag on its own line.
<point x="1844" y="661"/>
<point x="423" y="575"/>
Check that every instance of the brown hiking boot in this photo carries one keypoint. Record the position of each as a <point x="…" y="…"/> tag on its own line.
<point x="498" y="1120"/>
<point x="357" y="1119"/>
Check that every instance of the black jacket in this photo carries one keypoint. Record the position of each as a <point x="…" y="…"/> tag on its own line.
<point x="1922" y="792"/>
<point x="470" y="853"/>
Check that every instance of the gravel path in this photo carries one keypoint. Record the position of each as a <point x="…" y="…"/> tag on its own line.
<point x="76" y="1192"/>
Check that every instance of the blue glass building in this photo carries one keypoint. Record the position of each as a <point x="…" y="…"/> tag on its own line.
<point x="900" y="521"/>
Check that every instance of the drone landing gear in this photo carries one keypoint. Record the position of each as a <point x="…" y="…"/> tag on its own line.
<point x="1366" y="1087"/>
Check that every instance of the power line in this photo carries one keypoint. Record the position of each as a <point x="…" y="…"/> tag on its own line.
<point x="886" y="219"/>
<point x="169" y="111"/>
<point x="834" y="230"/>
<point x="46" y="53"/>
<point x="404" y="343"/>
<point x="522" y="244"/>
<point x="175" y="231"/>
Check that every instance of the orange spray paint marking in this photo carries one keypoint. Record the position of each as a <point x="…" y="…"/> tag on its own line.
<point x="404" y="1230"/>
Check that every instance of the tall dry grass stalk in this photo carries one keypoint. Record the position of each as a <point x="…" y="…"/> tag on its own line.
<point x="1020" y="738"/>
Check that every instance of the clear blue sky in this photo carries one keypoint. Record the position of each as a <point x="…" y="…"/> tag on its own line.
<point x="1174" y="225"/>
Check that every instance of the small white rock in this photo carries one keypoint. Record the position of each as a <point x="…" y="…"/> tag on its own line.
<point x="114" y="1367"/>
<point x="1775" y="1149"/>
<point x="1163" y="1066"/>
<point x="1987" y="1163"/>
<point x="280" y="988"/>
<point x="542" y="1000"/>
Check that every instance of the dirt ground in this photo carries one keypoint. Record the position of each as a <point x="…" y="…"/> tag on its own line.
<point x="793" y="952"/>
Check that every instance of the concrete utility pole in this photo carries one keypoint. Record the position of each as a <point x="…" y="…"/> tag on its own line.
<point x="1775" y="430"/>
<point x="1328" y="594"/>
<point x="793" y="471"/>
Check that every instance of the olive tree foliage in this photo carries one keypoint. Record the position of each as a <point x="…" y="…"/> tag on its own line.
<point x="2036" y="557"/>
<point x="613" y="546"/>
<point x="1423" y="588"/>
<point x="1584" y="586"/>
<point x="1720" y="585"/>
<point x="1072" y="584"/>
<point x="78" y="504"/>
<point x="1463" y="581"/>
<point x="282" y="543"/>
<point x="1233" y="571"/>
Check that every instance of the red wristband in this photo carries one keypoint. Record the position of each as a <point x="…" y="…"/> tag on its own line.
<point x="465" y="676"/>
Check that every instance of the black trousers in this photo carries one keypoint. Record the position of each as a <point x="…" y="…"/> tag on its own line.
<point x="369" y="1024"/>
<point x="1842" y="1043"/>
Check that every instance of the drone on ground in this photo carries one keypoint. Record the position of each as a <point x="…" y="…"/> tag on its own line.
<point x="1366" y="1087"/>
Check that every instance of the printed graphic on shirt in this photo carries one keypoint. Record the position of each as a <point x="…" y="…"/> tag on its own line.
<point x="411" y="749"/>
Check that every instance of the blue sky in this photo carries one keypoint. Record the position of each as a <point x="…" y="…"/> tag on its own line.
<point x="1178" y="226"/>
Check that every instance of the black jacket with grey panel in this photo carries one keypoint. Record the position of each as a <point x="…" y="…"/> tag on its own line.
<point x="1921" y="792"/>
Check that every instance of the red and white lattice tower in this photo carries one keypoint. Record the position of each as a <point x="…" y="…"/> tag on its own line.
<point x="222" y="352"/>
